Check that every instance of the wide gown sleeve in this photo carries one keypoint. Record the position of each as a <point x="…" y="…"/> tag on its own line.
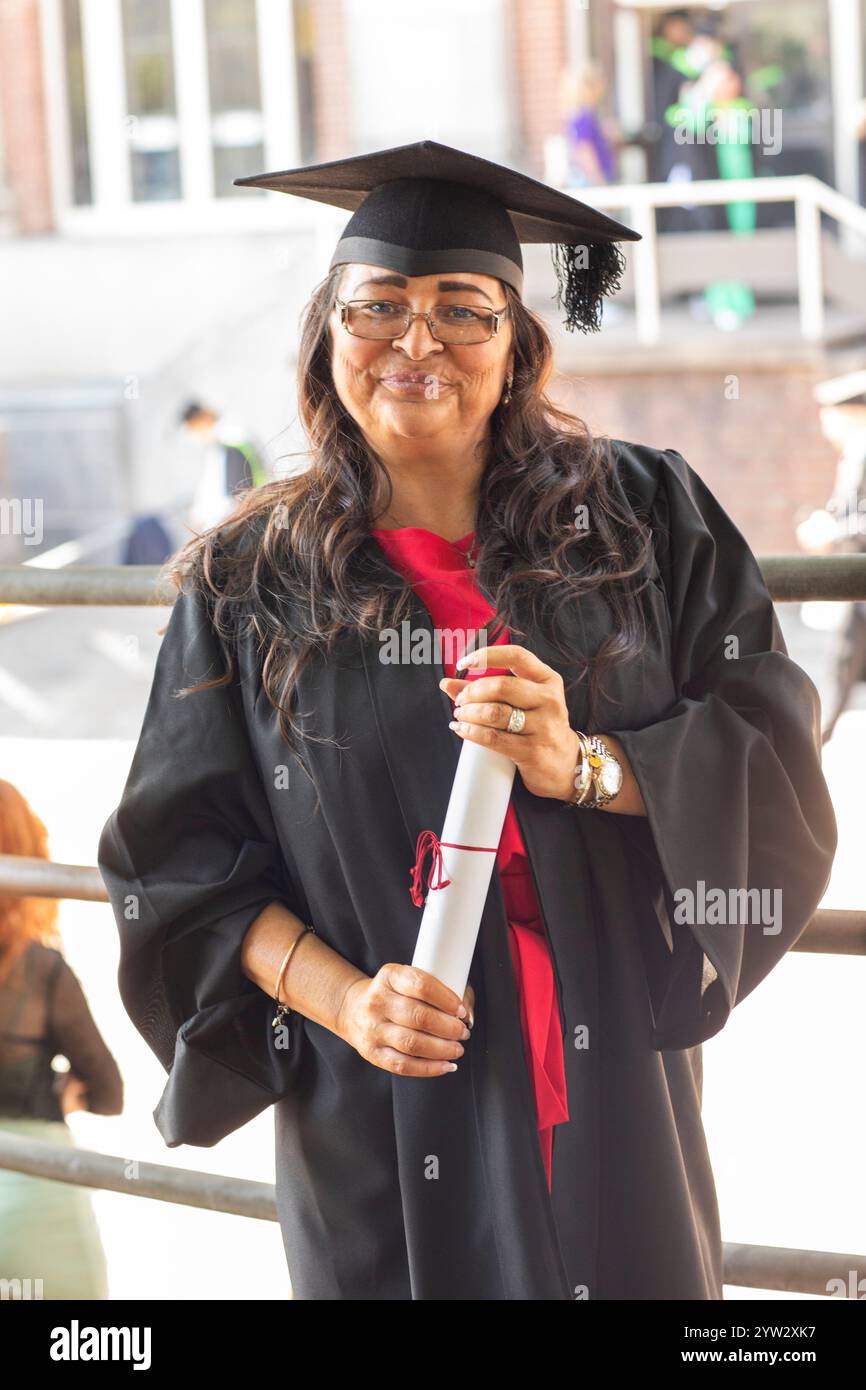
<point x="190" y="857"/>
<point x="730" y="775"/>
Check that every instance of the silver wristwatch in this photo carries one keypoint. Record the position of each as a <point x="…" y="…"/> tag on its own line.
<point x="598" y="775"/>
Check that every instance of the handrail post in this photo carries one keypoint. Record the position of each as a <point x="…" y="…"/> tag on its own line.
<point x="647" y="299"/>
<point x="810" y="270"/>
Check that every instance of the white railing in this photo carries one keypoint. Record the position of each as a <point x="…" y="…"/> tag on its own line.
<point x="809" y="195"/>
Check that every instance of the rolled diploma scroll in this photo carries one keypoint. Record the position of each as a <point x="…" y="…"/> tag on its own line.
<point x="476" y="814"/>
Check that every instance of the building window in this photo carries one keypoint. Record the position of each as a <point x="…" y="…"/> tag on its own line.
<point x="166" y="93"/>
<point x="237" y="126"/>
<point x="150" y="98"/>
<point x="79" y="147"/>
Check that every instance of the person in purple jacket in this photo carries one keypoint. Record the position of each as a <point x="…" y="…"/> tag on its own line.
<point x="591" y="149"/>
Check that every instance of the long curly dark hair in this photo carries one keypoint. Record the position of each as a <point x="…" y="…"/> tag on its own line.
<point x="302" y="538"/>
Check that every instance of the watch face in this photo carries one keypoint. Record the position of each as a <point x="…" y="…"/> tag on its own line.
<point x="611" y="777"/>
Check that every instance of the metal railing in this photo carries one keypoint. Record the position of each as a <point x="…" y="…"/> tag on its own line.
<point x="810" y="196"/>
<point x="746" y="1266"/>
<point x="789" y="578"/>
<point x="830" y="932"/>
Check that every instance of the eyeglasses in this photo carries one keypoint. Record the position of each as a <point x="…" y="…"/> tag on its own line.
<point x="448" y="323"/>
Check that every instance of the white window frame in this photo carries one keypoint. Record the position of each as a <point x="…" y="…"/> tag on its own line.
<point x="113" y="210"/>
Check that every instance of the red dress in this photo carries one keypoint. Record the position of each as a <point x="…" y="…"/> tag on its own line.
<point x="440" y="575"/>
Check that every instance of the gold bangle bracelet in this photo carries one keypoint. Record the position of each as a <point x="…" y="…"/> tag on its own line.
<point x="282" y="1009"/>
<point x="591" y="762"/>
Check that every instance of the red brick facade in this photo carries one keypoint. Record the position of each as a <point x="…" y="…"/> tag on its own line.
<point x="23" y="118"/>
<point x="332" y="118"/>
<point x="539" y="54"/>
<point x="763" y="454"/>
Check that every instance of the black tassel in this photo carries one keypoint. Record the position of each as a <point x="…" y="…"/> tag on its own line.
<point x="585" y="273"/>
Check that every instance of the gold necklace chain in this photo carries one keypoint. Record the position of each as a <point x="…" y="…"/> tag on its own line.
<point x="471" y="559"/>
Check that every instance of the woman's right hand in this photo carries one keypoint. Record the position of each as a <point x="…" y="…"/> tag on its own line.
<point x="404" y="1020"/>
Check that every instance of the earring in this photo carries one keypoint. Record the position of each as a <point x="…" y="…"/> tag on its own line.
<point x="506" y="395"/>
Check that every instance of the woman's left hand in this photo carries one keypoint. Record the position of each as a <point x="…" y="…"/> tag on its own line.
<point x="546" y="751"/>
<point x="73" y="1095"/>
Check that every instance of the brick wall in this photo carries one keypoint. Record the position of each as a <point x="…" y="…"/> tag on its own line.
<point x="539" y="54"/>
<point x="763" y="454"/>
<point x="331" y="83"/>
<point x="22" y="100"/>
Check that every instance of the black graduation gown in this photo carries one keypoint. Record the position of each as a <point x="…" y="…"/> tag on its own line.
<point x="398" y="1187"/>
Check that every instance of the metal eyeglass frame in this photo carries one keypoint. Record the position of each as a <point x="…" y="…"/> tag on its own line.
<point x="498" y="316"/>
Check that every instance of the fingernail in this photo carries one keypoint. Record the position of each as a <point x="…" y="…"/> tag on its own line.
<point x="461" y="1012"/>
<point x="452" y="1066"/>
<point x="466" y="1033"/>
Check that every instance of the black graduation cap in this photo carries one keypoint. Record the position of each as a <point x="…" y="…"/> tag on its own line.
<point x="426" y="207"/>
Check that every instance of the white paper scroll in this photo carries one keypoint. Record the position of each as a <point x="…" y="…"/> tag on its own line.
<point x="476" y="814"/>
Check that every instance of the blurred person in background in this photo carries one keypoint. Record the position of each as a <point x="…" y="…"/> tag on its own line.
<point x="148" y="542"/>
<point x="591" y="136"/>
<point x="670" y="68"/>
<point x="681" y="51"/>
<point x="47" y="1229"/>
<point x="232" y="463"/>
<point x="694" y="159"/>
<point x="858" y="120"/>
<point x="715" y="101"/>
<point x="840" y="527"/>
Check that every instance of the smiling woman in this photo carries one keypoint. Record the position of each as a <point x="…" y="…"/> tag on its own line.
<point x="424" y="396"/>
<point x="286" y="775"/>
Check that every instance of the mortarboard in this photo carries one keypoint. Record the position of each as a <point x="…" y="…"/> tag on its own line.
<point x="426" y="207"/>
